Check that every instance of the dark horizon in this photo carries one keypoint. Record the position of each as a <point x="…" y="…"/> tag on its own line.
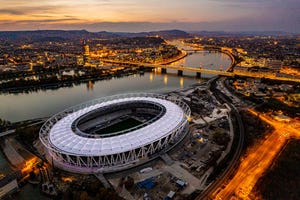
<point x="136" y="16"/>
<point x="250" y="32"/>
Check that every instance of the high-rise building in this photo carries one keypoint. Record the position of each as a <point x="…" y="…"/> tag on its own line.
<point x="30" y="66"/>
<point x="86" y="49"/>
<point x="86" y="53"/>
<point x="79" y="60"/>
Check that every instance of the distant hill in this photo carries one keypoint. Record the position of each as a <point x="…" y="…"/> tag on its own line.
<point x="65" y="35"/>
<point x="243" y="33"/>
<point x="170" y="34"/>
<point x="166" y="34"/>
<point x="50" y="35"/>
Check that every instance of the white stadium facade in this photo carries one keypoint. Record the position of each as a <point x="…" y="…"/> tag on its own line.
<point x="114" y="133"/>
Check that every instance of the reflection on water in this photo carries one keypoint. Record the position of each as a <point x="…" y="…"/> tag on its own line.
<point x="44" y="103"/>
<point x="206" y="60"/>
<point x="17" y="107"/>
<point x="181" y="81"/>
<point x="90" y="85"/>
<point x="151" y="76"/>
<point x="165" y="79"/>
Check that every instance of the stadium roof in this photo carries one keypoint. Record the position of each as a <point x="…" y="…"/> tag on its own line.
<point x="64" y="139"/>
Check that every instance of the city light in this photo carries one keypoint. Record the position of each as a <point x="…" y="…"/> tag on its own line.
<point x="258" y="158"/>
<point x="29" y="165"/>
<point x="46" y="71"/>
<point x="67" y="179"/>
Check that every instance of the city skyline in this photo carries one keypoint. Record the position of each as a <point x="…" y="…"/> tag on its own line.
<point x="135" y="16"/>
<point x="207" y="111"/>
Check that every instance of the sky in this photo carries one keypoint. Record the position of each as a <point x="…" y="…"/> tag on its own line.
<point x="151" y="15"/>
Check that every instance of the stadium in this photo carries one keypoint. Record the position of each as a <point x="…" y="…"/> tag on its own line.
<point x="114" y="133"/>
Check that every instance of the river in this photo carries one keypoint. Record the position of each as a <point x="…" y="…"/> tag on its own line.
<point x="44" y="103"/>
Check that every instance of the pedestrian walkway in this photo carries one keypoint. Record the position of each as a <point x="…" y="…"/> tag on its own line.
<point x="13" y="156"/>
<point x="2" y="134"/>
<point x="103" y="180"/>
<point x="167" y="159"/>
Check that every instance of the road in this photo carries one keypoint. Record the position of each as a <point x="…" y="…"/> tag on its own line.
<point x="235" y="159"/>
<point x="258" y="159"/>
<point x="2" y="134"/>
<point x="35" y="122"/>
<point x="270" y="76"/>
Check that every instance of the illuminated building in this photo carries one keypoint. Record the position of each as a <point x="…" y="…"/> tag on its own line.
<point x="86" y="54"/>
<point x="30" y="66"/>
<point x="88" y="138"/>
<point x="79" y="60"/>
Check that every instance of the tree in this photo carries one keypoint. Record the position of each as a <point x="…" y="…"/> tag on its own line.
<point x="28" y="134"/>
<point x="221" y="138"/>
<point x="129" y="182"/>
<point x="84" y="195"/>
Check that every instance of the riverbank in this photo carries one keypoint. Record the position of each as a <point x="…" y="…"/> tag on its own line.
<point x="229" y="54"/>
<point x="182" y="55"/>
<point x="233" y="60"/>
<point x="41" y="85"/>
<point x="38" y="102"/>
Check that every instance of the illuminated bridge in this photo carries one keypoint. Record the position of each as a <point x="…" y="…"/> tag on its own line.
<point x="198" y="71"/>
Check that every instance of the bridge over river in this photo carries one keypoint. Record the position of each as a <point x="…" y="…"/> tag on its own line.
<point x="198" y="71"/>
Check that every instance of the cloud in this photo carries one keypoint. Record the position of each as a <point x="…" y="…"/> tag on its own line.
<point x="258" y="3"/>
<point x="24" y="10"/>
<point x="187" y="15"/>
<point x="39" y="21"/>
<point x="11" y="12"/>
<point x="49" y="20"/>
<point x="68" y="24"/>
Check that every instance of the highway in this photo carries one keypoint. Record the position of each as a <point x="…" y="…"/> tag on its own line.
<point x="258" y="159"/>
<point x="34" y="122"/>
<point x="2" y="134"/>
<point x="270" y="76"/>
<point x="255" y="163"/>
